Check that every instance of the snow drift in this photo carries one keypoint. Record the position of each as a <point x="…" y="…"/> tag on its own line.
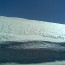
<point x="31" y="41"/>
<point x="19" y="29"/>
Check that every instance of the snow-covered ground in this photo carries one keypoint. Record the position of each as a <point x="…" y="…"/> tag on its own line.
<point x="18" y="34"/>
<point x="48" y="63"/>
<point x="20" y="29"/>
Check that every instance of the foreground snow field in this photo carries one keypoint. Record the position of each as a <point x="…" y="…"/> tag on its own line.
<point x="48" y="63"/>
<point x="31" y="42"/>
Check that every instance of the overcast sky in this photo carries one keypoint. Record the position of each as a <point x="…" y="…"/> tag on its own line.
<point x="45" y="10"/>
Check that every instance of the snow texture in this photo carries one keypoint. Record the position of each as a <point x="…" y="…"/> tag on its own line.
<point x="31" y="41"/>
<point x="20" y="29"/>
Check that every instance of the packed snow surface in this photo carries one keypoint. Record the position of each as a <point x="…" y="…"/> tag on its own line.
<point x="20" y="29"/>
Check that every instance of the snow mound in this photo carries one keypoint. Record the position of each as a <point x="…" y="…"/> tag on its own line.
<point x="20" y="29"/>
